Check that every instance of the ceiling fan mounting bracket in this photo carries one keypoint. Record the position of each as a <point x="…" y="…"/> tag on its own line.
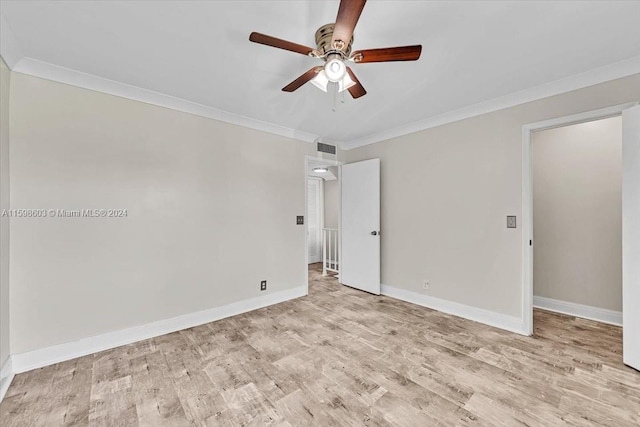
<point x="332" y="54"/>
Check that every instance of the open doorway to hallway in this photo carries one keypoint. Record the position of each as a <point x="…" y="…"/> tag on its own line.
<point x="323" y="215"/>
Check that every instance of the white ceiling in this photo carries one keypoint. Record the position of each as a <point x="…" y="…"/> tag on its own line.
<point x="199" y="51"/>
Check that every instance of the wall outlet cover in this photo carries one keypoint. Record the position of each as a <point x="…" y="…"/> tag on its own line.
<point x="511" y="221"/>
<point x="263" y="285"/>
<point x="299" y="220"/>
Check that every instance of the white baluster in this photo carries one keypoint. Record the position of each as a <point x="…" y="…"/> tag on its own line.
<point x="324" y="252"/>
<point x="330" y="246"/>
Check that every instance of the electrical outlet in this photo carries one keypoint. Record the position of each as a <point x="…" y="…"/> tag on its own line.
<point x="300" y="220"/>
<point x="511" y="221"/>
<point x="263" y="285"/>
<point x="425" y="285"/>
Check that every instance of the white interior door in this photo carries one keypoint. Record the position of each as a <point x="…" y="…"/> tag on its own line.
<point x="631" y="236"/>
<point x="314" y="219"/>
<point x="360" y="225"/>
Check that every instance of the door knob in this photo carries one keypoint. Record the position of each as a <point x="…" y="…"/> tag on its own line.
<point x="374" y="233"/>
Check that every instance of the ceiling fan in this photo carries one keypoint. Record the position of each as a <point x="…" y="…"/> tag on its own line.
<point x="334" y="48"/>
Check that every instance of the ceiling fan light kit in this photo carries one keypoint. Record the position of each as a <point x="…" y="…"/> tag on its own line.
<point x="335" y="68"/>
<point x="321" y="81"/>
<point x="332" y="47"/>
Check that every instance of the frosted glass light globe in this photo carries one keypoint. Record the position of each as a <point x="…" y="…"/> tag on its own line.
<point x="335" y="70"/>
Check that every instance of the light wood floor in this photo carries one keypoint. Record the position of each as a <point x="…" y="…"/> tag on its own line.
<point x="341" y="357"/>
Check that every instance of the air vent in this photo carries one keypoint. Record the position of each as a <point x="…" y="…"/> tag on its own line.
<point x="326" y="148"/>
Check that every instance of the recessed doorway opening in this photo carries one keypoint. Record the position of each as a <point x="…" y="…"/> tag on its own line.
<point x="581" y="218"/>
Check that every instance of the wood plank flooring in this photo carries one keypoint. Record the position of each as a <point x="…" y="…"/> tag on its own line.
<point x="341" y="357"/>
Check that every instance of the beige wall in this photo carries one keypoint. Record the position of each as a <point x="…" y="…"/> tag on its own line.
<point x="331" y="204"/>
<point x="4" y="204"/>
<point x="446" y="192"/>
<point x="577" y="213"/>
<point x="211" y="212"/>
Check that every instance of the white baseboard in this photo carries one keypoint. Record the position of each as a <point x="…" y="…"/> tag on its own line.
<point x="27" y="361"/>
<point x="491" y="318"/>
<point x="579" y="310"/>
<point x="6" y="376"/>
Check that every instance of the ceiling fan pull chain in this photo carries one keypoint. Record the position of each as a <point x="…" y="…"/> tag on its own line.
<point x="334" y="95"/>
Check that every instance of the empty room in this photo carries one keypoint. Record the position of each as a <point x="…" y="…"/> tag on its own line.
<point x="327" y="213"/>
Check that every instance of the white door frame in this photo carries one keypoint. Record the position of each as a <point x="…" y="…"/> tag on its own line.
<point x="527" y="196"/>
<point x="328" y="162"/>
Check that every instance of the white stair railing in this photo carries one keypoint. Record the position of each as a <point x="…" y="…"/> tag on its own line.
<point x="330" y="240"/>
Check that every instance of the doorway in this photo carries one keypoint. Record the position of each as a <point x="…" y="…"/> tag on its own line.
<point x="630" y="218"/>
<point x="315" y="218"/>
<point x="577" y="219"/>
<point x="350" y="221"/>
<point x="322" y="213"/>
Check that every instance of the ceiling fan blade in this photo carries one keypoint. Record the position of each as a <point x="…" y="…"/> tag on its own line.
<point x="356" y="90"/>
<point x="348" y="15"/>
<point x="387" y="54"/>
<point x="279" y="43"/>
<point x="302" y="79"/>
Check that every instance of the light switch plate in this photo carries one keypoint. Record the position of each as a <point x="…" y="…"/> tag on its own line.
<point x="511" y="221"/>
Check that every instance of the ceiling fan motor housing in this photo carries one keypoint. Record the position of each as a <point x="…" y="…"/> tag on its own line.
<point x="323" y="40"/>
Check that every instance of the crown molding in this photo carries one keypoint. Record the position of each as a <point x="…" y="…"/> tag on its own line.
<point x="9" y="49"/>
<point x="578" y="81"/>
<point x="45" y="70"/>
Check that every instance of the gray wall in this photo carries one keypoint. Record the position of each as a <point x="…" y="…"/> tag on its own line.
<point x="577" y="213"/>
<point x="5" y="75"/>
<point x="331" y="204"/>
<point x="446" y="192"/>
<point x="211" y="212"/>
